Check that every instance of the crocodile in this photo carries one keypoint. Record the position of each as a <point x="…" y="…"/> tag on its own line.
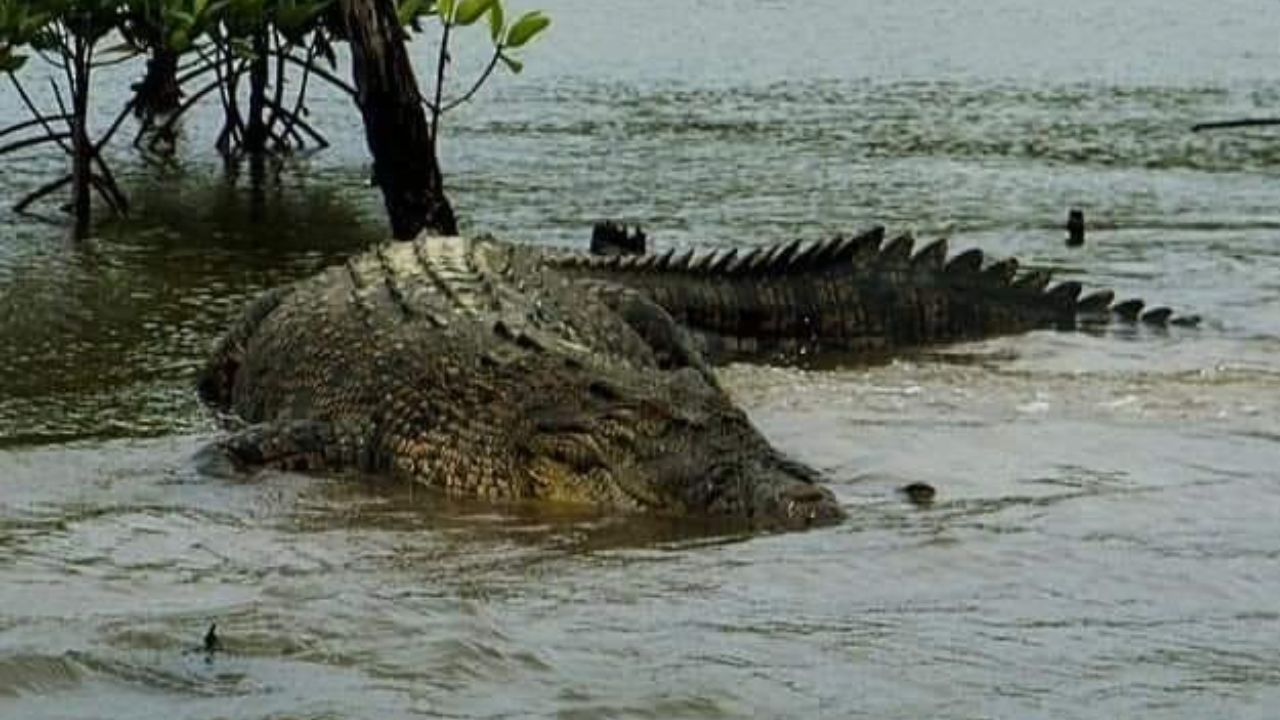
<point x="511" y="372"/>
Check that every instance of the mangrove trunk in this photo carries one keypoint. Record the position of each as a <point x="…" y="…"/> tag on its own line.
<point x="255" y="135"/>
<point x="405" y="165"/>
<point x="158" y="93"/>
<point x="81" y="148"/>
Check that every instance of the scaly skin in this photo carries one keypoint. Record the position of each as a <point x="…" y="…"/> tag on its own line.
<point x="507" y="372"/>
<point x="469" y="366"/>
<point x="850" y="295"/>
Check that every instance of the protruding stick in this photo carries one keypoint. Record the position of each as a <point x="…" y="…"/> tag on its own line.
<point x="1075" y="227"/>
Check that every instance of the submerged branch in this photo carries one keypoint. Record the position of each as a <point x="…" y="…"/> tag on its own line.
<point x="300" y="100"/>
<point x="57" y="96"/>
<point x="199" y="69"/>
<point x="282" y="49"/>
<point x="41" y="117"/>
<point x="280" y="141"/>
<point x="112" y="188"/>
<point x="42" y="191"/>
<point x="124" y="58"/>
<point x="1248" y="122"/>
<point x="324" y="74"/>
<point x="232" y="135"/>
<point x="42" y="120"/>
<point x="110" y="194"/>
<point x="300" y="123"/>
<point x="51" y="59"/>
<point x="115" y="124"/>
<point x="32" y="142"/>
<point x="167" y="128"/>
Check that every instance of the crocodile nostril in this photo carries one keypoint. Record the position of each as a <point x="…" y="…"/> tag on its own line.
<point x="920" y="493"/>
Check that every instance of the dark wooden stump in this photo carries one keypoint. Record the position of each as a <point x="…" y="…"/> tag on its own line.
<point x="611" y="238"/>
<point x="1075" y="227"/>
<point x="158" y="93"/>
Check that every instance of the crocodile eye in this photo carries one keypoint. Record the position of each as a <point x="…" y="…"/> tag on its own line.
<point x="604" y="391"/>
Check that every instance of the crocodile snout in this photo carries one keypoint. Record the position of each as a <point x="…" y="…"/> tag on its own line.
<point x="800" y="504"/>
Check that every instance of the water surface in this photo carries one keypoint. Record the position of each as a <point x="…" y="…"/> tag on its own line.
<point x="1104" y="542"/>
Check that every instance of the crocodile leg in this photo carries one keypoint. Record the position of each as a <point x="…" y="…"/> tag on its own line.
<point x="672" y="346"/>
<point x="298" y="445"/>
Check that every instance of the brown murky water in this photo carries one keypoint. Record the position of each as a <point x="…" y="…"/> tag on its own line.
<point x="1105" y="540"/>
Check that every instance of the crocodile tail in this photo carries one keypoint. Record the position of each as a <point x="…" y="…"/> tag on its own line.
<point x="857" y="293"/>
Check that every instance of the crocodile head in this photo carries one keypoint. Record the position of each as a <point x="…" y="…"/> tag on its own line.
<point x="667" y="442"/>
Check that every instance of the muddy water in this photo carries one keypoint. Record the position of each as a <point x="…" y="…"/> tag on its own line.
<point x="1104" y="544"/>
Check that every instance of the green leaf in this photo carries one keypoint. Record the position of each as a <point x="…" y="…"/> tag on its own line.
<point x="469" y="11"/>
<point x="409" y="10"/>
<point x="212" y="9"/>
<point x="445" y="8"/>
<point x="295" y="19"/>
<point x="180" y="18"/>
<point x="179" y="40"/>
<point x="514" y="65"/>
<point x="527" y="28"/>
<point x="497" y="23"/>
<point x="245" y="17"/>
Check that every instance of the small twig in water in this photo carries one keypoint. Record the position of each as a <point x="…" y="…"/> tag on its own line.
<point x="42" y="191"/>
<point x="1225" y="124"/>
<point x="212" y="643"/>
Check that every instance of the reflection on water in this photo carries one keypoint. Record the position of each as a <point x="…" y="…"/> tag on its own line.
<point x="105" y="337"/>
<point x="1103" y="542"/>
